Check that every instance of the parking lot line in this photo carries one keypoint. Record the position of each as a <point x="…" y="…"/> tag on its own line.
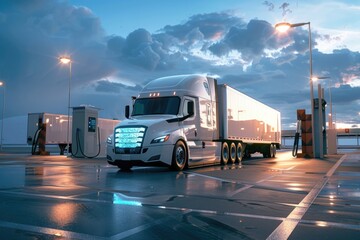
<point x="288" y="225"/>
<point x="48" y="231"/>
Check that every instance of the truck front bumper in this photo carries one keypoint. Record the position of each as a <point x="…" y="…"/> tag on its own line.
<point x="158" y="155"/>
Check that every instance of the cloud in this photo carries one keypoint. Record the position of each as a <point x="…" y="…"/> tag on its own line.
<point x="115" y="45"/>
<point x="345" y="95"/>
<point x="285" y="9"/>
<point x="250" y="41"/>
<point x="147" y="51"/>
<point x="270" y="5"/>
<point x="33" y="36"/>
<point x="107" y="86"/>
<point x="217" y="34"/>
<point x="211" y="26"/>
<point x="107" y="70"/>
<point x="173" y="44"/>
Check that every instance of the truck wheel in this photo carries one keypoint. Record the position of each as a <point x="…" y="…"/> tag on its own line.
<point x="267" y="151"/>
<point x="273" y="150"/>
<point x="247" y="154"/>
<point x="179" y="157"/>
<point x="232" y="157"/>
<point x="239" y="152"/>
<point x="224" y="153"/>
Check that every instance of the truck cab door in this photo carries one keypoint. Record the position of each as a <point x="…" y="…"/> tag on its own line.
<point x="191" y="130"/>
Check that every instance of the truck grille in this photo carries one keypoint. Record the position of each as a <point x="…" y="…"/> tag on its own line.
<point x="129" y="139"/>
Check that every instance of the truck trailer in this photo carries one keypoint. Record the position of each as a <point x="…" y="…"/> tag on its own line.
<point x="190" y="120"/>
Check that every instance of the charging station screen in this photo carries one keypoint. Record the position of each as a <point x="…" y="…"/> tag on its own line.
<point x="92" y="124"/>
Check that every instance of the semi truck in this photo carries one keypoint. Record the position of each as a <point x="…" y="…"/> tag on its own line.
<point x="185" y="121"/>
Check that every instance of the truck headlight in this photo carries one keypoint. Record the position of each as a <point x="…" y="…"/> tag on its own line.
<point x="109" y="140"/>
<point x="161" y="139"/>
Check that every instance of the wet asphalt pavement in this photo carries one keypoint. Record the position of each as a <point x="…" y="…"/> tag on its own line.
<point x="56" y="197"/>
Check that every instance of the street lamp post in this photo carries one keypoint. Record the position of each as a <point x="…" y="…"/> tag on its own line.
<point x="67" y="60"/>
<point x="2" y="84"/>
<point x="331" y="125"/>
<point x="283" y="27"/>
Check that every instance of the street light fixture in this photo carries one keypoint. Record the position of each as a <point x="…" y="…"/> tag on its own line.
<point x="67" y="60"/>
<point x="283" y="27"/>
<point x="2" y="84"/>
<point x="316" y="78"/>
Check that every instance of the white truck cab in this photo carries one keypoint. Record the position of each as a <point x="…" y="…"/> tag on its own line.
<point x="172" y="121"/>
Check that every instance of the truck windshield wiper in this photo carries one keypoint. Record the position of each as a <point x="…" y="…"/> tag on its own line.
<point x="179" y="119"/>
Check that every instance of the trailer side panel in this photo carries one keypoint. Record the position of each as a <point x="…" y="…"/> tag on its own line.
<point x="246" y="119"/>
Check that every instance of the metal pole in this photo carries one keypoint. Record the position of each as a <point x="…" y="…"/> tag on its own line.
<point x="69" y="101"/>
<point x="311" y="91"/>
<point x="283" y="27"/>
<point x="2" y="119"/>
<point x="320" y="123"/>
<point x="331" y="112"/>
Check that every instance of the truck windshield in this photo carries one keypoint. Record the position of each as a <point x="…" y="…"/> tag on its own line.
<point x="158" y="105"/>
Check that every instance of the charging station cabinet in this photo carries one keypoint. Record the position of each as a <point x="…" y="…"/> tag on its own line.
<point x="320" y="128"/>
<point x="85" y="132"/>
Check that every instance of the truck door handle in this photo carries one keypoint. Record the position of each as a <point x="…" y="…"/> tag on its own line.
<point x="195" y="132"/>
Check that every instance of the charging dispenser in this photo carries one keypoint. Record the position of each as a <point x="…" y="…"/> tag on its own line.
<point x="85" y="132"/>
<point x="320" y="128"/>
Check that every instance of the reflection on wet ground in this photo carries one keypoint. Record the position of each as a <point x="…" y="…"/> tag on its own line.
<point x="56" y="197"/>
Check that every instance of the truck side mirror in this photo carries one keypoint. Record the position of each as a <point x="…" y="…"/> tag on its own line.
<point x="190" y="107"/>
<point x="127" y="111"/>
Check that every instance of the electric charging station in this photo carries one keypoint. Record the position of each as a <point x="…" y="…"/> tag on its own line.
<point x="320" y="127"/>
<point x="85" y="132"/>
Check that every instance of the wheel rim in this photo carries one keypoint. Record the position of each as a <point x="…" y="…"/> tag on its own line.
<point x="233" y="152"/>
<point x="180" y="156"/>
<point x="225" y="153"/>
<point x="239" y="152"/>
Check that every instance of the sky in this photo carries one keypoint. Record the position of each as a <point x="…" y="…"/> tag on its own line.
<point x="118" y="46"/>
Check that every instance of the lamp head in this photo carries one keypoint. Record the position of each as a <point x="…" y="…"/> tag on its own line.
<point x="282" y="26"/>
<point x="65" y="60"/>
<point x="315" y="78"/>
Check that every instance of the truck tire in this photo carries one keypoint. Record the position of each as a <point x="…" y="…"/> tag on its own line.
<point x="273" y="150"/>
<point x="224" y="153"/>
<point x="179" y="157"/>
<point x="247" y="153"/>
<point x="267" y="151"/>
<point x="239" y="152"/>
<point x="232" y="156"/>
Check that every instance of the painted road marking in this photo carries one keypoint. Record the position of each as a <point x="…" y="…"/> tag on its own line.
<point x="246" y="185"/>
<point x="48" y="231"/>
<point x="139" y="229"/>
<point x="288" y="225"/>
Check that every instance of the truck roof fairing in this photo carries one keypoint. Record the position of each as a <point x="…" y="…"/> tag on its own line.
<point x="189" y="84"/>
